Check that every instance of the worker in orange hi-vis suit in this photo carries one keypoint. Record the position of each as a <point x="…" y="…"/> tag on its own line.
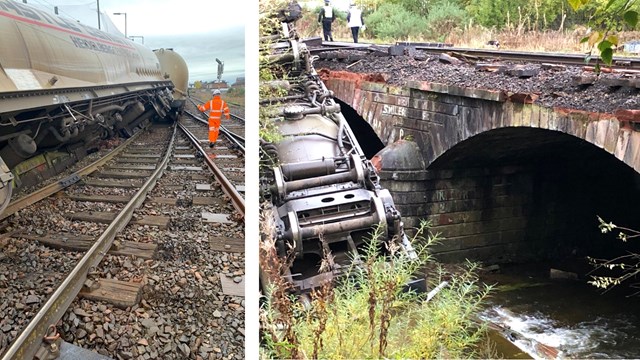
<point x="216" y="107"/>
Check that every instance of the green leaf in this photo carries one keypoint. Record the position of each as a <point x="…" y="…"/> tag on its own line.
<point x="631" y="18"/>
<point x="603" y="45"/>
<point x="609" y="4"/>
<point x="584" y="40"/>
<point x="613" y="39"/>
<point x="607" y="56"/>
<point x="576" y="4"/>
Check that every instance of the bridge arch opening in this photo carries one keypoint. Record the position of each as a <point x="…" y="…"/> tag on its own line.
<point x="526" y="193"/>
<point x="366" y="136"/>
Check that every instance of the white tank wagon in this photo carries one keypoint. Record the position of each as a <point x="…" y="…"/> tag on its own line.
<point x="175" y="68"/>
<point x="64" y="85"/>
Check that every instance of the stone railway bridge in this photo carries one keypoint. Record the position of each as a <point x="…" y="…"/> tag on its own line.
<point x="500" y="178"/>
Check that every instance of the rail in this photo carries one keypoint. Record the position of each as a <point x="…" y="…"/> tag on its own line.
<point x="29" y="341"/>
<point x="236" y="199"/>
<point x="510" y="55"/>
<point x="51" y="189"/>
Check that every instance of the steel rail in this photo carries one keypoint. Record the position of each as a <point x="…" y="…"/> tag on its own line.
<point x="236" y="199"/>
<point x="537" y="57"/>
<point x="233" y="137"/>
<point x="53" y="188"/>
<point x="237" y="117"/>
<point x="27" y="344"/>
<point x="235" y="104"/>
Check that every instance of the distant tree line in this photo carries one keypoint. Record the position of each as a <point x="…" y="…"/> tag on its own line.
<point x="435" y="18"/>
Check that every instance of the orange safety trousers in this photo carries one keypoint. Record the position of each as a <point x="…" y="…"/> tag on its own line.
<point x="217" y="107"/>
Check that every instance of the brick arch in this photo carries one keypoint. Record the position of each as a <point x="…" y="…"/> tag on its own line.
<point x="501" y="211"/>
<point x="368" y="139"/>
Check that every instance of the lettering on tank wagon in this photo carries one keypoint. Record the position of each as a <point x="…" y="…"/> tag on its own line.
<point x="30" y="13"/>
<point x="96" y="46"/>
<point x="104" y="42"/>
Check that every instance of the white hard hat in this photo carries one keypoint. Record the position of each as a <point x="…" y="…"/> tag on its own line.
<point x="215" y="92"/>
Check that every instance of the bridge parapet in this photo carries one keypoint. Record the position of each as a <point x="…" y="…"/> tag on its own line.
<point x="440" y="115"/>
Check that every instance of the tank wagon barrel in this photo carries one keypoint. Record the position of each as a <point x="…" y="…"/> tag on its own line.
<point x="65" y="85"/>
<point x="325" y="194"/>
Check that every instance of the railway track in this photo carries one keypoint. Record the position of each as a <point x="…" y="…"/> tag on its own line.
<point x="233" y="129"/>
<point x="150" y="242"/>
<point x="489" y="54"/>
<point x="236" y="109"/>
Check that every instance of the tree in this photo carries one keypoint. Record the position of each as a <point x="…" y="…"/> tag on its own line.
<point x="393" y="21"/>
<point x="608" y="16"/>
<point x="627" y="266"/>
<point x="493" y="13"/>
<point x="371" y="4"/>
<point x="445" y="16"/>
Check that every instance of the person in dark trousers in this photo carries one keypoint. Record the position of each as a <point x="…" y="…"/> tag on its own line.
<point x="326" y="17"/>
<point x="355" y="21"/>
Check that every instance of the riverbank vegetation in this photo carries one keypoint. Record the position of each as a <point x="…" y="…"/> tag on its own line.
<point x="368" y="313"/>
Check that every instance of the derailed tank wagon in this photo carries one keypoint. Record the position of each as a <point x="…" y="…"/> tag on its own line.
<point x="64" y="85"/>
<point x="175" y="68"/>
<point x="324" y="192"/>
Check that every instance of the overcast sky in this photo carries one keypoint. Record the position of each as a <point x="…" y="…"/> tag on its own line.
<point x="199" y="30"/>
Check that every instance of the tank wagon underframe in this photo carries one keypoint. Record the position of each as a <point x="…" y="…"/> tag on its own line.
<point x="74" y="115"/>
<point x="64" y="85"/>
<point x="325" y="194"/>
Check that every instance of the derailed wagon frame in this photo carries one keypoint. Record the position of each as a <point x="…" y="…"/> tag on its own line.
<point x="325" y="195"/>
<point x="67" y="85"/>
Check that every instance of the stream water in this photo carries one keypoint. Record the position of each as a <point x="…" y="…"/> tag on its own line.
<point x="568" y="315"/>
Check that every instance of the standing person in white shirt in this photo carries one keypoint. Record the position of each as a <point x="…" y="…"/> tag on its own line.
<point x="326" y="17"/>
<point x="355" y="21"/>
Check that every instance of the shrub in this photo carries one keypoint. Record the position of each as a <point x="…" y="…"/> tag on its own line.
<point x="394" y="22"/>
<point x="269" y="71"/>
<point x="368" y="315"/>
<point x="444" y="17"/>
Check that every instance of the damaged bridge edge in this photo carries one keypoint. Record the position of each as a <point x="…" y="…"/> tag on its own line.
<point x="427" y="110"/>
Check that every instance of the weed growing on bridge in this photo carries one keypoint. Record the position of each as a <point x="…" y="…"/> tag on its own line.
<point x="366" y="314"/>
